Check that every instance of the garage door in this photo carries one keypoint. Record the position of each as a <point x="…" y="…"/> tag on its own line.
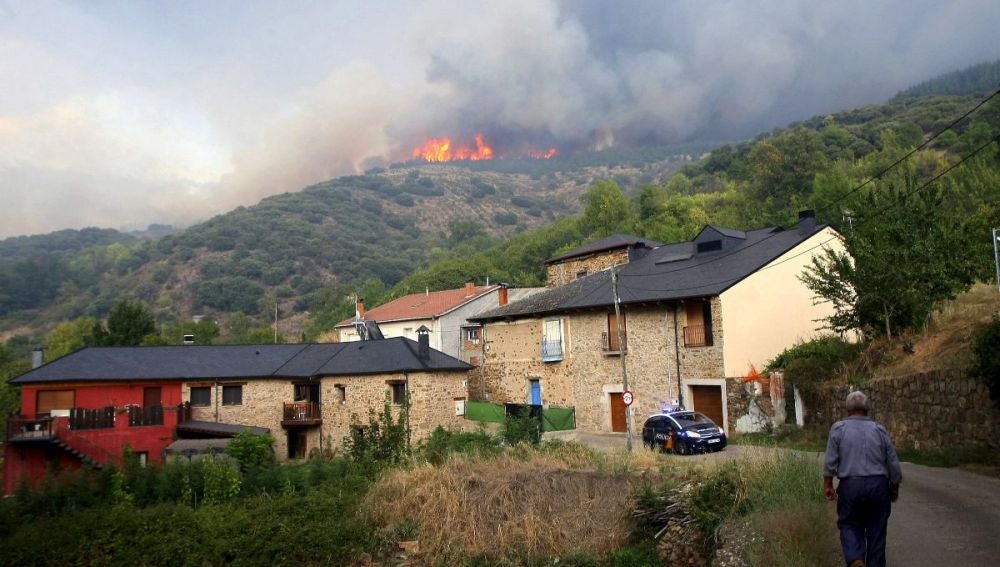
<point x="708" y="400"/>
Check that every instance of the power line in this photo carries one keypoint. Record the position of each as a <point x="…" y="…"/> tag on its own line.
<point x="915" y="150"/>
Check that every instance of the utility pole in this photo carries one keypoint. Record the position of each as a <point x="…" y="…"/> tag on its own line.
<point x="622" y="349"/>
<point x="275" y="321"/>
<point x="996" y="255"/>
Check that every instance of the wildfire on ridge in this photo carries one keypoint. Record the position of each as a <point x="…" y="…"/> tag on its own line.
<point x="442" y="149"/>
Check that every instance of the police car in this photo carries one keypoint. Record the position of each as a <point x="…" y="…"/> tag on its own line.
<point x="683" y="432"/>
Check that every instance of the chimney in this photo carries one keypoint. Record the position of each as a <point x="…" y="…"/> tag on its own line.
<point x="359" y="308"/>
<point x="37" y="356"/>
<point x="502" y="294"/>
<point x="189" y="339"/>
<point x="423" y="343"/>
<point x="470" y="287"/>
<point x="807" y="222"/>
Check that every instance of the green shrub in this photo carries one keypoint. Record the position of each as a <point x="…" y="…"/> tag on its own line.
<point x="521" y="429"/>
<point x="382" y="443"/>
<point x="986" y="357"/>
<point x="442" y="443"/>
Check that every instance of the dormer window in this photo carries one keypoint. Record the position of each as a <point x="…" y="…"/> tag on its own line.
<point x="710" y="246"/>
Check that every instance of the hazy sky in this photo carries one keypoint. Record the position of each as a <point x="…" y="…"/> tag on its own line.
<point x="119" y="114"/>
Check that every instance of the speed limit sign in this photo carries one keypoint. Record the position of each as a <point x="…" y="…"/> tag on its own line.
<point x="627" y="397"/>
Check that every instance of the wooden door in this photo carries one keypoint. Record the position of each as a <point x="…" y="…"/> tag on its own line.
<point x="618" y="422"/>
<point x="152" y="396"/>
<point x="708" y="400"/>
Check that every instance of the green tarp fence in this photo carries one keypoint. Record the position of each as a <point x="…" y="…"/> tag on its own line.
<point x="558" y="419"/>
<point x="484" y="411"/>
<point x="553" y="419"/>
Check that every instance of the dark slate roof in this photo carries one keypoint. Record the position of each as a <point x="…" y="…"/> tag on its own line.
<point x="217" y="429"/>
<point x="194" y="362"/>
<point x="670" y="272"/>
<point x="610" y="243"/>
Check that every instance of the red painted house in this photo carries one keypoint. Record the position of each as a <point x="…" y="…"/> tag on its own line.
<point x="68" y="423"/>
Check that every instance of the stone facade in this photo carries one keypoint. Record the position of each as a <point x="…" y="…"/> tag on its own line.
<point x="587" y="374"/>
<point x="432" y="395"/>
<point x="932" y="409"/>
<point x="562" y="273"/>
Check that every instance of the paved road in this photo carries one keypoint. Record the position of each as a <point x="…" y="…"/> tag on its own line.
<point x="945" y="517"/>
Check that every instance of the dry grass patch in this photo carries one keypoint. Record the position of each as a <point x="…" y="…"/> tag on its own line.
<point x="523" y="508"/>
<point x="944" y="343"/>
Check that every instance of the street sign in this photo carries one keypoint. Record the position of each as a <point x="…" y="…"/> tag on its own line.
<point x="627" y="397"/>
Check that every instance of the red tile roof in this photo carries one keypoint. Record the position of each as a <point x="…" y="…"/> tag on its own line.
<point x="422" y="305"/>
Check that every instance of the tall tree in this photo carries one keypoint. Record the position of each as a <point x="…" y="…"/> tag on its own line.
<point x="607" y="210"/>
<point x="129" y="322"/>
<point x="905" y="253"/>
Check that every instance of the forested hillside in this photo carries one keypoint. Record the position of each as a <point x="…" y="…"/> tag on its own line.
<point x="299" y="250"/>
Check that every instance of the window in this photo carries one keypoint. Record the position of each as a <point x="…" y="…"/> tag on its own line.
<point x="142" y="457"/>
<point x="398" y="392"/>
<point x="611" y="344"/>
<point x="341" y="393"/>
<point x="49" y="400"/>
<point x="201" y="396"/>
<point x="581" y="274"/>
<point x="472" y="334"/>
<point x="710" y="246"/>
<point x="552" y="347"/>
<point x="232" y="395"/>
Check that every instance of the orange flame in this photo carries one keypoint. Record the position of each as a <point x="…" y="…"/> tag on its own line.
<point x="442" y="149"/>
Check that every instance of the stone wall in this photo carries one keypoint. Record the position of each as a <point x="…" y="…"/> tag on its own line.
<point x="432" y="402"/>
<point x="565" y="272"/>
<point x="932" y="409"/>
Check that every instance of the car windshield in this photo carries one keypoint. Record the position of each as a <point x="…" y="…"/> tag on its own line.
<point x="688" y="418"/>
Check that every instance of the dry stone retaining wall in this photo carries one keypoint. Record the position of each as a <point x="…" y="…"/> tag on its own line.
<point x="932" y="409"/>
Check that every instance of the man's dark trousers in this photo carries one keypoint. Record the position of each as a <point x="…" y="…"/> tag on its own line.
<point x="863" y="507"/>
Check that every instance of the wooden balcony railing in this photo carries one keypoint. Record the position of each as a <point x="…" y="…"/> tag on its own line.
<point x="101" y="418"/>
<point x="697" y="336"/>
<point x="611" y="345"/>
<point x="301" y="413"/>
<point x="145" y="415"/>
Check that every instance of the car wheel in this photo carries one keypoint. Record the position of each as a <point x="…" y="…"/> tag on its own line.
<point x="682" y="448"/>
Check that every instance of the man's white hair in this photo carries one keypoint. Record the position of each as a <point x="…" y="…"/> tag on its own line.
<point x="857" y="401"/>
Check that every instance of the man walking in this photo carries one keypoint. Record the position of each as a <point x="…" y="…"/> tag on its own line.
<point x="860" y="453"/>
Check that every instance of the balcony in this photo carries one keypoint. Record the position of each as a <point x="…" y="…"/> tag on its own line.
<point x="21" y="429"/>
<point x="611" y="346"/>
<point x="552" y="350"/>
<point x="139" y="416"/>
<point x="299" y="414"/>
<point x="697" y="336"/>
<point x="103" y="418"/>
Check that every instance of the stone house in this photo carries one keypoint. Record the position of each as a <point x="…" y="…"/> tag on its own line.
<point x="695" y="318"/>
<point x="594" y="257"/>
<point x="85" y="407"/>
<point x="445" y="313"/>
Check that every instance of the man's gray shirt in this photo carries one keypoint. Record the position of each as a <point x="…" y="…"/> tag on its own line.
<point x="860" y="447"/>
